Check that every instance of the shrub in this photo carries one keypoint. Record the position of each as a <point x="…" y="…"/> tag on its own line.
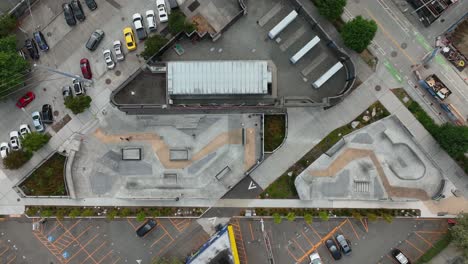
<point x="60" y="213"/>
<point x="388" y="218"/>
<point x="155" y="213"/>
<point x="74" y="213"/>
<point x="46" y="213"/>
<point x="31" y="211"/>
<point x="7" y="25"/>
<point x="87" y="212"/>
<point x="78" y="104"/>
<point x="178" y="23"/>
<point x="291" y="216"/>
<point x="34" y="141"/>
<point x="111" y="214"/>
<point x="308" y="218"/>
<point x="124" y="212"/>
<point x="141" y="216"/>
<point x="277" y="218"/>
<point x="152" y="45"/>
<point x="324" y="216"/>
<point x="358" y="33"/>
<point x="16" y="159"/>
<point x="372" y="217"/>
<point x="331" y="9"/>
<point x="357" y="215"/>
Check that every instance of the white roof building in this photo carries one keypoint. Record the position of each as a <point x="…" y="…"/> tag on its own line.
<point x="218" y="77"/>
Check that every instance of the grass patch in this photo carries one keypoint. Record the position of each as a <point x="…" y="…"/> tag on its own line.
<point x="436" y="248"/>
<point x="283" y="187"/>
<point x="274" y="131"/>
<point x="48" y="179"/>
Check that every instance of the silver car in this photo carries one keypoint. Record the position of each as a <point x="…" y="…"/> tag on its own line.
<point x="15" y="141"/>
<point x="119" y="55"/>
<point x="109" y="59"/>
<point x="37" y="121"/>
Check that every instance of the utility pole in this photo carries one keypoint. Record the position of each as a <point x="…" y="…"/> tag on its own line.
<point x="64" y="73"/>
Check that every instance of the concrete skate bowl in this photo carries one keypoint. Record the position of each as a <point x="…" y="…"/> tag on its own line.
<point x="405" y="163"/>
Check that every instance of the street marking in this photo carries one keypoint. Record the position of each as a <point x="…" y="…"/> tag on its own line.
<point x="11" y="260"/>
<point x="423" y="239"/>
<point x="251" y="232"/>
<point x="353" y="229"/>
<point x="308" y="240"/>
<point x="393" y="16"/>
<point x="298" y="245"/>
<point x="313" y="229"/>
<point x="393" y="71"/>
<point x="422" y="252"/>
<point x="348" y="14"/>
<point x="252" y="185"/>
<point x="159" y="223"/>
<point x="157" y="240"/>
<point x="212" y="220"/>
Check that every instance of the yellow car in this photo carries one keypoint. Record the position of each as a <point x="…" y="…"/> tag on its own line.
<point x="129" y="39"/>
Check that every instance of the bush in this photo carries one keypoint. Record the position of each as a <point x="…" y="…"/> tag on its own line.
<point x="358" y="33"/>
<point x="111" y="214"/>
<point x="460" y="233"/>
<point x="388" y="218"/>
<point x="308" y="218"/>
<point x="152" y="45"/>
<point x="277" y="218"/>
<point x="291" y="216"/>
<point x="141" y="216"/>
<point x="87" y="212"/>
<point x="124" y="212"/>
<point x="16" y="159"/>
<point x="356" y="215"/>
<point x="324" y="216"/>
<point x="60" y="214"/>
<point x="31" y="211"/>
<point x="178" y="23"/>
<point x="46" y="213"/>
<point x="74" y="213"/>
<point x="372" y="217"/>
<point x="34" y="141"/>
<point x="78" y="104"/>
<point x="331" y="9"/>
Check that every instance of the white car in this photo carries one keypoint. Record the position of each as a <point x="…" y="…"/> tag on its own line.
<point x="315" y="258"/>
<point x="15" y="142"/>
<point x="109" y="59"/>
<point x="139" y="26"/>
<point x="37" y="122"/>
<point x="119" y="55"/>
<point x="161" y="4"/>
<point x="77" y="87"/>
<point x="24" y="129"/>
<point x="4" y="149"/>
<point x="151" y="20"/>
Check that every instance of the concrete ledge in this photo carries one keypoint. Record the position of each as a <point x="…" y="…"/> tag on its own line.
<point x="68" y="174"/>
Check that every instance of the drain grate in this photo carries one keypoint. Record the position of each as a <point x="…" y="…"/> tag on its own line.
<point x="193" y="6"/>
<point x="361" y="186"/>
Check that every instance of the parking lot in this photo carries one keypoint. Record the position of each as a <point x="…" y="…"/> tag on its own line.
<point x="293" y="242"/>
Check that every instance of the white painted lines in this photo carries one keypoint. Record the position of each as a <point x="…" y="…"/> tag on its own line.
<point x="252" y="185"/>
<point x="403" y="24"/>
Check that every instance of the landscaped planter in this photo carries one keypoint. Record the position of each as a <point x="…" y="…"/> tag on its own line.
<point x="274" y="131"/>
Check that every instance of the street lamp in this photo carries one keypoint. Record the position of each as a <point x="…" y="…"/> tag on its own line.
<point x="63" y="73"/>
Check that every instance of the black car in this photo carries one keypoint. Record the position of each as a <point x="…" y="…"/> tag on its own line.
<point x="47" y="116"/>
<point x="146" y="227"/>
<point x="335" y="252"/>
<point x="95" y="39"/>
<point x="91" y="4"/>
<point x="40" y="40"/>
<point x="31" y="46"/>
<point x="78" y="10"/>
<point x="400" y="257"/>
<point x="68" y="13"/>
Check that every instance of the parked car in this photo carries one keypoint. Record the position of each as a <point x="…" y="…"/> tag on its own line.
<point x="129" y="38"/>
<point x="151" y="20"/>
<point x="37" y="121"/>
<point x="86" y="68"/>
<point x="4" y="149"/>
<point x="77" y="87"/>
<point x="41" y="41"/>
<point x="161" y="4"/>
<point x="146" y="227"/>
<point x="109" y="59"/>
<point x="68" y="14"/>
<point x="15" y="142"/>
<point x="24" y="129"/>
<point x="343" y="243"/>
<point x="315" y="258"/>
<point x="334" y="251"/>
<point x="25" y="99"/>
<point x="119" y="55"/>
<point x="94" y="39"/>
<point x="78" y="10"/>
<point x="47" y="114"/>
<point x="67" y="92"/>
<point x="91" y="4"/>
<point x="31" y="46"/>
<point x="400" y="257"/>
<point x="139" y="26"/>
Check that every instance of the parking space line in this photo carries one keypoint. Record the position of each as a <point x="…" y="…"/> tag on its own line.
<point x="165" y="230"/>
<point x="390" y="258"/>
<point x="116" y="261"/>
<point x="66" y="230"/>
<point x="82" y="248"/>
<point x="80" y="234"/>
<point x="432" y="232"/>
<point x="8" y="247"/>
<point x="351" y="224"/>
<point x="92" y="253"/>
<point x="128" y="220"/>
<point x="292" y="255"/>
<point x="110" y="251"/>
<point x="411" y="244"/>
<point x="11" y="260"/>
<point x="308" y="240"/>
<point x="158" y="240"/>
<point x="313" y="229"/>
<point x="365" y="224"/>
<point x="55" y="227"/>
<point x="423" y="239"/>
<point x="251" y="232"/>
<point x="167" y="245"/>
<point x="298" y="245"/>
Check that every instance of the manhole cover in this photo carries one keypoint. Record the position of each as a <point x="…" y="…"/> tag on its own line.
<point x="56" y="113"/>
<point x="117" y="73"/>
<point x="122" y="18"/>
<point x="108" y="81"/>
<point x="44" y="89"/>
<point x="442" y="20"/>
<point x="357" y="1"/>
<point x="49" y="34"/>
<point x="394" y="54"/>
<point x="404" y="45"/>
<point x="378" y="88"/>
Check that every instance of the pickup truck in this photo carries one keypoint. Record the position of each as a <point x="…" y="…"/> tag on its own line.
<point x="139" y="27"/>
<point x="434" y="86"/>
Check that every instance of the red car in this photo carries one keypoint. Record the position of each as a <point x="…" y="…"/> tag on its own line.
<point x="25" y="100"/>
<point x="86" y="68"/>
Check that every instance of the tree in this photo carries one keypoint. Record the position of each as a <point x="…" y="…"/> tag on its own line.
<point x="7" y="24"/>
<point x="331" y="9"/>
<point x="178" y="23"/>
<point x="453" y="139"/>
<point x="13" y="67"/>
<point x="78" y="104"/>
<point x="277" y="218"/>
<point x="358" y="33"/>
<point x="308" y="218"/>
<point x="141" y="216"/>
<point x="152" y="45"/>
<point x="291" y="216"/>
<point x="16" y="159"/>
<point x="8" y="43"/>
<point x="460" y="233"/>
<point x="324" y="216"/>
<point x="34" y="141"/>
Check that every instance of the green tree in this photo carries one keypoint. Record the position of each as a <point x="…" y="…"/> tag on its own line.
<point x="152" y="45"/>
<point x="372" y="217"/>
<point x="14" y="69"/>
<point x="277" y="218"/>
<point x="178" y="23"/>
<point x="74" y="213"/>
<point x="16" y="159"/>
<point x="34" y="141"/>
<point x="358" y="33"/>
<point x="7" y="25"/>
<point x="324" y="216"/>
<point x="331" y="9"/>
<point x="308" y="218"/>
<point x="141" y="216"/>
<point x="8" y="44"/>
<point x="460" y="233"/>
<point x="291" y="216"/>
<point x="78" y="104"/>
<point x="453" y="139"/>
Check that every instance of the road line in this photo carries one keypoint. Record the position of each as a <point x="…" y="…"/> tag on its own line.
<point x="251" y="232"/>
<point x="298" y="245"/>
<point x="116" y="261"/>
<point x="8" y="247"/>
<point x="55" y="227"/>
<point x="393" y="261"/>
<point x="14" y="257"/>
<point x="163" y="236"/>
<point x="313" y="229"/>
<point x="165" y="230"/>
<point x="128" y="220"/>
<point x="92" y="253"/>
<point x="390" y="37"/>
<point x="110" y="251"/>
<point x="429" y="243"/>
<point x="292" y="255"/>
<point x="406" y="240"/>
<point x="353" y="229"/>
<point x="308" y="240"/>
